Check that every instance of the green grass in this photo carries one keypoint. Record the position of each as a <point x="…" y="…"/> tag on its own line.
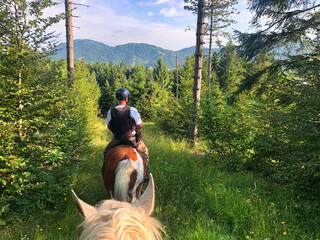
<point x="195" y="198"/>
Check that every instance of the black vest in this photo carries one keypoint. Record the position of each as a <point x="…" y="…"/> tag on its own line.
<point x="122" y="124"/>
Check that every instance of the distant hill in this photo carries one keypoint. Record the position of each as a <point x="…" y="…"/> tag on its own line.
<point x="131" y="53"/>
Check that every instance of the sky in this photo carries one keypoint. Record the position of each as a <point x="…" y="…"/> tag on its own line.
<point x="162" y="23"/>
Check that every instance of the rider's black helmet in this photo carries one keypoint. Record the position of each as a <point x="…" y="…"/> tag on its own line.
<point x="122" y="93"/>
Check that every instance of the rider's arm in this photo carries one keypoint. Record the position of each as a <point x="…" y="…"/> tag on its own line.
<point x="136" y="116"/>
<point x="139" y="127"/>
<point x="139" y="132"/>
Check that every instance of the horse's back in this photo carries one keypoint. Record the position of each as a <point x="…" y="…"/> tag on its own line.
<point x="121" y="152"/>
<point x="113" y="168"/>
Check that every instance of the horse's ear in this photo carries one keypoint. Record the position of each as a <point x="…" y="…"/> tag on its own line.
<point x="146" y="200"/>
<point x="84" y="209"/>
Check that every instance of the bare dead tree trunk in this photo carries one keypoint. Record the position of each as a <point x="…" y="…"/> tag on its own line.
<point x="177" y="77"/>
<point x="69" y="36"/>
<point x="198" y="71"/>
<point x="210" y="48"/>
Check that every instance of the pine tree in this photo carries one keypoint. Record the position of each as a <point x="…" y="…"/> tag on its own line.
<point x="38" y="130"/>
<point x="137" y="85"/>
<point x="24" y="40"/>
<point x="219" y="15"/>
<point x="292" y="28"/>
<point x="160" y="74"/>
<point x="231" y="70"/>
<point x="198" y="70"/>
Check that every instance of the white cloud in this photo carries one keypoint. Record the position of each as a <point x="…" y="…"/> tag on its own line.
<point x="141" y="4"/>
<point x="104" y="25"/>
<point x="170" y="12"/>
<point x="157" y="2"/>
<point x="161" y="2"/>
<point x="84" y="2"/>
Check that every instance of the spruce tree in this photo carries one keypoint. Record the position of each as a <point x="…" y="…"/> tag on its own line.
<point x="231" y="70"/>
<point x="291" y="29"/>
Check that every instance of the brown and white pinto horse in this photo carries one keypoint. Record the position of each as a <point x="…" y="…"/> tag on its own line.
<point x="123" y="173"/>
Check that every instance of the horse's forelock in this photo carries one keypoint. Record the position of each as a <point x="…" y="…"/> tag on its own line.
<point x="120" y="220"/>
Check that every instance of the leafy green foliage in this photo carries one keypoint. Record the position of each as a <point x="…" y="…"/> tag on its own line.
<point x="43" y="123"/>
<point x="286" y="143"/>
<point x="287" y="146"/>
<point x="228" y="130"/>
<point x="230" y="69"/>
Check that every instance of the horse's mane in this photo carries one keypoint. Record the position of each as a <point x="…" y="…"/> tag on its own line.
<point x="120" y="221"/>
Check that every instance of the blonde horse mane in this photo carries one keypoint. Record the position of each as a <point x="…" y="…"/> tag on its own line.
<point x="116" y="220"/>
<point x="120" y="221"/>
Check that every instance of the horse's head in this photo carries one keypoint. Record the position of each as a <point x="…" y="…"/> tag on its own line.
<point x="120" y="220"/>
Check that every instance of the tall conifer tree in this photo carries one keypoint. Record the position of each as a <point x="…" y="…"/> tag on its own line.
<point x="198" y="70"/>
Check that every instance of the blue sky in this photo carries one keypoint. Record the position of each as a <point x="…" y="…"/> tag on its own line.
<point x="156" y="22"/>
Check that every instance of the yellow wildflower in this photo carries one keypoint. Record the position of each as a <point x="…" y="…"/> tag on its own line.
<point x="284" y="233"/>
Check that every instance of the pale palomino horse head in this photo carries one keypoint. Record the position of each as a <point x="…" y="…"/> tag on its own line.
<point x="120" y="220"/>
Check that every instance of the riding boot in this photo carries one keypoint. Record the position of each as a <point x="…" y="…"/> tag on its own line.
<point x="147" y="175"/>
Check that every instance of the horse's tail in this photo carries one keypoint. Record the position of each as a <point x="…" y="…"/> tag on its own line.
<point x="122" y="180"/>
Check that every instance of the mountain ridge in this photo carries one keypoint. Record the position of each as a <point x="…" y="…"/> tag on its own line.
<point x="131" y="53"/>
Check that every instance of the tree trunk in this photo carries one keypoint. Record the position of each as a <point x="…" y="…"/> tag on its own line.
<point x="198" y="71"/>
<point x="20" y="42"/>
<point x="69" y="35"/>
<point x="177" y="77"/>
<point x="210" y="49"/>
<point x="20" y="97"/>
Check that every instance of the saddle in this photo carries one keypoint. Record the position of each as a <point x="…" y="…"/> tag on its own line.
<point x="133" y="144"/>
<point x="128" y="143"/>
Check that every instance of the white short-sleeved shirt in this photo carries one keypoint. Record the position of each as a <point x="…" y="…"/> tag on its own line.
<point x="133" y="113"/>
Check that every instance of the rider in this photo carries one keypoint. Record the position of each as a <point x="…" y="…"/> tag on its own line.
<point x="125" y="123"/>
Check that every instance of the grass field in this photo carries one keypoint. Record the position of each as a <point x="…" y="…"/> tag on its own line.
<point x="195" y="198"/>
